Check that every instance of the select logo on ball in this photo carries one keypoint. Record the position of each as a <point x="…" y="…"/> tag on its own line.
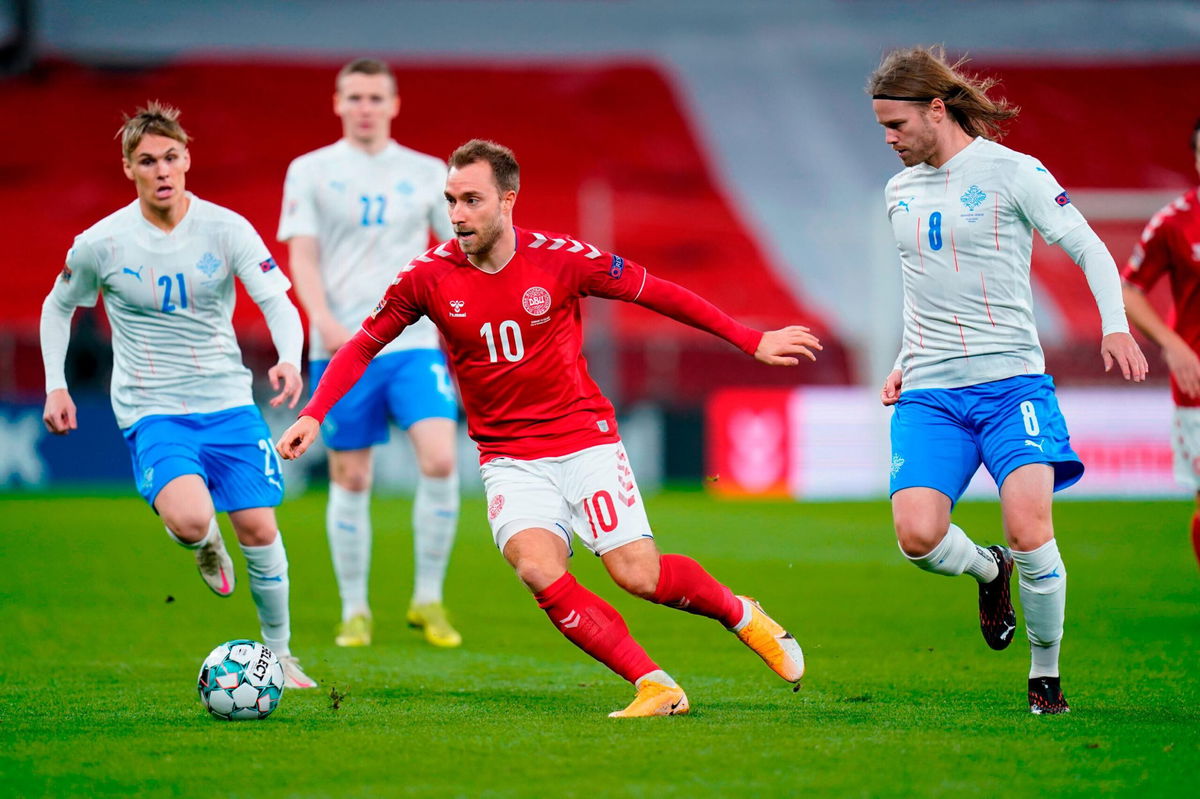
<point x="536" y="301"/>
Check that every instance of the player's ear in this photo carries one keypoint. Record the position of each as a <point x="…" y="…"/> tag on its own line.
<point x="127" y="167"/>
<point x="937" y="109"/>
<point x="507" y="201"/>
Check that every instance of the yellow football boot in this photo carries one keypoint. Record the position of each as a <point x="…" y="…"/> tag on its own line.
<point x="772" y="643"/>
<point x="355" y="631"/>
<point x="654" y="699"/>
<point x="431" y="618"/>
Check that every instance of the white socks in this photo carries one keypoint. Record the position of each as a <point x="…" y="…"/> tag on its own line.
<point x="348" y="525"/>
<point x="268" y="568"/>
<point x="1043" y="587"/>
<point x="213" y="530"/>
<point x="659" y="676"/>
<point x="956" y="554"/>
<point x="435" y="520"/>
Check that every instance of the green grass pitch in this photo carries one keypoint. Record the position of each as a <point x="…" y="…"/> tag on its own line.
<point x="902" y="697"/>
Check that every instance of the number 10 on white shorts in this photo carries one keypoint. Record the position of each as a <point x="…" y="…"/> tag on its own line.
<point x="591" y="493"/>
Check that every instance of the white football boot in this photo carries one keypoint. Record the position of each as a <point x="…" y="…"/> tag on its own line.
<point x="215" y="565"/>
<point x="293" y="676"/>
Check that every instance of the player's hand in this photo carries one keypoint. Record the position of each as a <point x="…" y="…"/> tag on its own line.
<point x="59" y="415"/>
<point x="1121" y="349"/>
<point x="777" y="347"/>
<point x="333" y="335"/>
<point x="891" y="388"/>
<point x="285" y="378"/>
<point x="1185" y="367"/>
<point x="298" y="438"/>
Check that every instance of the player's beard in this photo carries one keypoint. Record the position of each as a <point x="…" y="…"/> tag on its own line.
<point x="922" y="148"/>
<point x="485" y="238"/>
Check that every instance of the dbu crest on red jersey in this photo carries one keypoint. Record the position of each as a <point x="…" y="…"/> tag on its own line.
<point x="536" y="301"/>
<point x="495" y="506"/>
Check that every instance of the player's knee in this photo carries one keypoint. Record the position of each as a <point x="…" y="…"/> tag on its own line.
<point x="537" y="575"/>
<point x="639" y="582"/>
<point x="917" y="537"/>
<point x="353" y="480"/>
<point x="438" y="466"/>
<point x="1030" y="536"/>
<point x="187" y="524"/>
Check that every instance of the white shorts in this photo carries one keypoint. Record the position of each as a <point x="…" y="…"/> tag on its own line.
<point x="1185" y="442"/>
<point x="591" y="493"/>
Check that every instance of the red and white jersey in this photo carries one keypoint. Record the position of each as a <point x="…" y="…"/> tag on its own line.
<point x="515" y="339"/>
<point x="1170" y="245"/>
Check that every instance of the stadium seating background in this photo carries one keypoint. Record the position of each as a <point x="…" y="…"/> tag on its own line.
<point x="727" y="146"/>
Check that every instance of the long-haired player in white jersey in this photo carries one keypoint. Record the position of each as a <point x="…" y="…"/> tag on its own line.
<point x="165" y="264"/>
<point x="351" y="212"/>
<point x="969" y="386"/>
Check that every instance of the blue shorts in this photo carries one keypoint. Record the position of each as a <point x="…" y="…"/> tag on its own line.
<point x="404" y="387"/>
<point x="940" y="436"/>
<point x="231" y="450"/>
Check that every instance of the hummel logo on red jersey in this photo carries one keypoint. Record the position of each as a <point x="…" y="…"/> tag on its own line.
<point x="456" y="307"/>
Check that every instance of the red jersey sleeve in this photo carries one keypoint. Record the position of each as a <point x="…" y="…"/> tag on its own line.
<point x="617" y="278"/>
<point x="344" y="370"/>
<point x="1151" y="256"/>
<point x="397" y="310"/>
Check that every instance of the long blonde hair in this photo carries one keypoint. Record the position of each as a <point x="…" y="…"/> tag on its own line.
<point x="922" y="74"/>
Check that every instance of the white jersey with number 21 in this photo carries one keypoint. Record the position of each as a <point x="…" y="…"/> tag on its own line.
<point x="169" y="298"/>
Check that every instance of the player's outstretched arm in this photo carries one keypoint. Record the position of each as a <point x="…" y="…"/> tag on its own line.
<point x="59" y="414"/>
<point x="779" y="347"/>
<point x="890" y="394"/>
<point x="298" y="438"/>
<point x="776" y="347"/>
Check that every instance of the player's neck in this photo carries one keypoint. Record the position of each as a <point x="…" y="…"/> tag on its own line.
<point x="955" y="141"/>
<point x="166" y="219"/>
<point x="499" y="255"/>
<point x="369" y="146"/>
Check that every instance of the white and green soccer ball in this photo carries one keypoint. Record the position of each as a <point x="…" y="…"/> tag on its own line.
<point x="240" y="679"/>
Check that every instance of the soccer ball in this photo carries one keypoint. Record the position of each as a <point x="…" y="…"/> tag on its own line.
<point x="240" y="679"/>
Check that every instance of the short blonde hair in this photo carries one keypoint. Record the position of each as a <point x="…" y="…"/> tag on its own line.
<point x="366" y="66"/>
<point x="154" y="119"/>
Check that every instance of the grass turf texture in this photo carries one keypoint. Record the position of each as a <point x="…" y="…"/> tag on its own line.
<point x="902" y="696"/>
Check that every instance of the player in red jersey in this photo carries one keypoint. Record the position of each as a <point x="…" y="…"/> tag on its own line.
<point x="1170" y="245"/>
<point x="507" y="303"/>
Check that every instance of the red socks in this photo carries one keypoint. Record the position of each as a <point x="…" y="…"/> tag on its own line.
<point x="594" y="626"/>
<point x="684" y="584"/>
<point x="1196" y="535"/>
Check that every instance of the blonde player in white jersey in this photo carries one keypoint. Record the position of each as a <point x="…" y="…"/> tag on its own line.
<point x="969" y="386"/>
<point x="165" y="264"/>
<point x="351" y="212"/>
